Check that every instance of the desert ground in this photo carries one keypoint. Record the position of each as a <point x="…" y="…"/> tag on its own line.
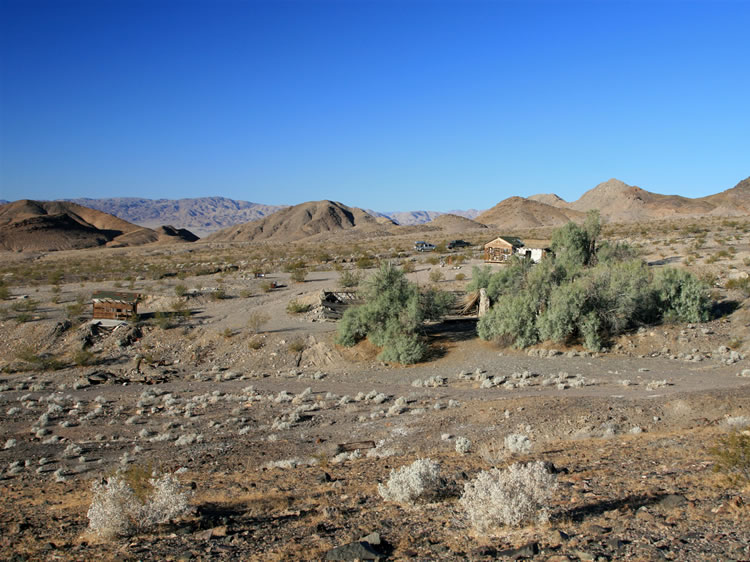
<point x="282" y="437"/>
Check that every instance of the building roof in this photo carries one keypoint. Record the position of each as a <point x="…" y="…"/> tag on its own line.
<point x="116" y="296"/>
<point x="504" y="242"/>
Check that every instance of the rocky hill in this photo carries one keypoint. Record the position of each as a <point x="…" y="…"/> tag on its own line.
<point x="301" y="221"/>
<point x="620" y="202"/>
<point x="520" y="213"/>
<point x="28" y="225"/>
<point x="734" y="201"/>
<point x="201" y="215"/>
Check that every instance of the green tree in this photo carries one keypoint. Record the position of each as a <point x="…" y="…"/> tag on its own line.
<point x="392" y="315"/>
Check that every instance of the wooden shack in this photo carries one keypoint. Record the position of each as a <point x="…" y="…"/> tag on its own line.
<point x="501" y="249"/>
<point x="115" y="305"/>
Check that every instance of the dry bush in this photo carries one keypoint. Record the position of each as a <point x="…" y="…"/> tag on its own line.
<point x="116" y="509"/>
<point x="256" y="320"/>
<point x="419" y="480"/>
<point x="732" y="457"/>
<point x="513" y="496"/>
<point x="296" y="307"/>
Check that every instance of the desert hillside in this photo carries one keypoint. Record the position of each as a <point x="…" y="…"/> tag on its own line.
<point x="28" y="225"/>
<point x="298" y="222"/>
<point x="520" y="213"/>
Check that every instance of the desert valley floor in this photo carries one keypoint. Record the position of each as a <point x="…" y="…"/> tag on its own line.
<point x="282" y="436"/>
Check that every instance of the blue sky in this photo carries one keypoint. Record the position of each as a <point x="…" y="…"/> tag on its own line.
<point x="388" y="105"/>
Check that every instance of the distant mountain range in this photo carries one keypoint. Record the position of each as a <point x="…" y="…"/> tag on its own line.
<point x="202" y="215"/>
<point x="90" y="222"/>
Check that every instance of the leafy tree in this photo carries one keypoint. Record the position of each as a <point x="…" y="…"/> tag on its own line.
<point x="392" y="315"/>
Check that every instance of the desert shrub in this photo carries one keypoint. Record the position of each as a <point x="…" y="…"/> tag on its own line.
<point x="349" y="278"/>
<point x="739" y="284"/>
<point x="296" y="307"/>
<point x="682" y="296"/>
<point x="436" y="276"/>
<point x="463" y="445"/>
<point x="460" y="276"/>
<point x="255" y="343"/>
<point x="256" y="320"/>
<point x="180" y="290"/>
<point x="419" y="480"/>
<point x="219" y="294"/>
<point x="296" y="345"/>
<point x="516" y="443"/>
<point x="513" y="496"/>
<point x="584" y="293"/>
<point x="266" y="286"/>
<point x="732" y="457"/>
<point x="408" y="267"/>
<point x="298" y="275"/>
<point x="83" y="357"/>
<point x="432" y="260"/>
<point x="164" y="320"/>
<point x="291" y="266"/>
<point x="116" y="510"/>
<point x="392" y="315"/>
<point x="38" y="361"/>
<point x="4" y="291"/>
<point x="365" y="262"/>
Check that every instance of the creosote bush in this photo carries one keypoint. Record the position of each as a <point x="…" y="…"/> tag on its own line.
<point x="516" y="495"/>
<point x="419" y="480"/>
<point x="116" y="510"/>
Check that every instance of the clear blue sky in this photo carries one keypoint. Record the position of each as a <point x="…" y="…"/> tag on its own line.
<point x="389" y="105"/>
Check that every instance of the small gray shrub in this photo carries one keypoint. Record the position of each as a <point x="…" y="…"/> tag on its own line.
<point x="513" y="496"/>
<point x="419" y="480"/>
<point x="116" y="510"/>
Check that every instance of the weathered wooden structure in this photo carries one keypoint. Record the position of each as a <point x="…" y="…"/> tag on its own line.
<point x="115" y="305"/>
<point x="334" y="303"/>
<point x="501" y="249"/>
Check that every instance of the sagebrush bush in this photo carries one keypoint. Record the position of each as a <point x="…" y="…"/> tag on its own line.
<point x="516" y="495"/>
<point x="116" y="510"/>
<point x="419" y="480"/>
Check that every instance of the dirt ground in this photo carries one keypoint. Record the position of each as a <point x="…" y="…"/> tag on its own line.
<point x="255" y="424"/>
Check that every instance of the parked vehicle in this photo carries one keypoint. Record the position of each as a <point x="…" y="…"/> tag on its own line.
<point x="457" y="244"/>
<point x="423" y="246"/>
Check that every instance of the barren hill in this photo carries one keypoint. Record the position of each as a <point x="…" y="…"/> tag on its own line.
<point x="58" y="225"/>
<point x="549" y="199"/>
<point x="201" y="215"/>
<point x="301" y="221"/>
<point x="455" y="223"/>
<point x="734" y="201"/>
<point x="520" y="213"/>
<point x="620" y="202"/>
